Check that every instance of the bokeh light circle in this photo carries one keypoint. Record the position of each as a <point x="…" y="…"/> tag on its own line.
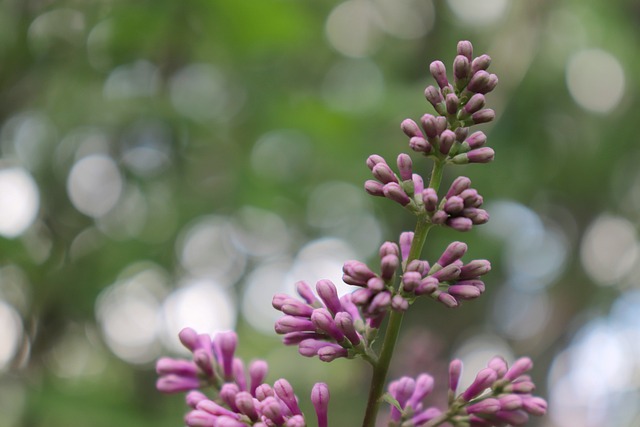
<point x="19" y="201"/>
<point x="595" y="79"/>
<point x="95" y="185"/>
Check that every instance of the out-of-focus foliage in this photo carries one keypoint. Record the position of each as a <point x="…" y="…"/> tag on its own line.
<point x="165" y="163"/>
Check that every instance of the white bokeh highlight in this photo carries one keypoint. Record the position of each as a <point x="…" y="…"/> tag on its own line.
<point x="19" y="201"/>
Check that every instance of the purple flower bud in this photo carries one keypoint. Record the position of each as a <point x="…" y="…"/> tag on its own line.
<point x="425" y="416"/>
<point x="374" y="188"/>
<point x="325" y="323"/>
<point x="310" y="347"/>
<point x="329" y="353"/>
<point x="227" y="421"/>
<point x="406" y="239"/>
<point x="475" y="140"/>
<point x="257" y="373"/>
<point x="483" y="116"/>
<point x="460" y="184"/>
<point x="420" y="145"/>
<point x="424" y="386"/>
<point x="477" y="216"/>
<point x="166" y="366"/>
<point x="358" y="271"/>
<point x="285" y="392"/>
<point x="483" y="380"/>
<point x="486" y="406"/>
<point x="427" y="286"/>
<point x="521" y="387"/>
<point x="534" y="405"/>
<point x="361" y="296"/>
<point x="373" y="160"/>
<point x="452" y="102"/>
<point x="288" y="324"/>
<point x="465" y="48"/>
<point x="448" y="273"/>
<point x="430" y="199"/>
<point x="482" y="82"/>
<point x="271" y="409"/>
<point x="263" y="391"/>
<point x="476" y="268"/>
<point x="320" y="400"/>
<point x="228" y="394"/>
<point x="464" y="291"/>
<point x="404" y="166"/>
<point x="515" y="418"/>
<point x="510" y="402"/>
<point x="200" y="419"/>
<point x="480" y="155"/>
<point x="439" y="217"/>
<point x="329" y="294"/>
<point x="460" y="223"/>
<point x="375" y="284"/>
<point x="238" y="373"/>
<point x="418" y="184"/>
<point x="401" y="390"/>
<point x="411" y="128"/>
<point x="344" y="322"/>
<point x="380" y="303"/>
<point x="439" y="73"/>
<point x="522" y="365"/>
<point x="453" y="205"/>
<point x="213" y="408"/>
<point x="203" y="359"/>
<point x="430" y="125"/>
<point x="418" y="265"/>
<point x="447" y="138"/>
<point x="398" y="303"/>
<point x="499" y="365"/>
<point x="383" y="173"/>
<point x="475" y="103"/>
<point x="304" y="290"/>
<point x="388" y="266"/>
<point x="411" y="280"/>
<point x="455" y="372"/>
<point x="389" y="248"/>
<point x="296" y="308"/>
<point x="461" y="71"/>
<point x="247" y="405"/>
<point x="461" y="134"/>
<point x="194" y="397"/>
<point x="482" y="62"/>
<point x="434" y="96"/>
<point x="175" y="383"/>
<point x="295" y="338"/>
<point x="471" y="198"/>
<point x="295" y="421"/>
<point x="454" y="252"/>
<point x="394" y="191"/>
<point x="446" y="299"/>
<point x="189" y="338"/>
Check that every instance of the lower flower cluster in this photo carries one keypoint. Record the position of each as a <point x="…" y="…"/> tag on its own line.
<point x="236" y="401"/>
<point x="498" y="396"/>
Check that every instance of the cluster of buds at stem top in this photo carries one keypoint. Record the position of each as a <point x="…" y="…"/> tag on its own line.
<point x="328" y="327"/>
<point x="499" y="395"/>
<point x="449" y="280"/>
<point x="239" y="401"/>
<point x="459" y="106"/>
<point x="458" y="209"/>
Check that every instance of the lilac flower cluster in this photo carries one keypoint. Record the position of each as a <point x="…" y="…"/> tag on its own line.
<point x="459" y="209"/>
<point x="236" y="401"/>
<point x="328" y="327"/>
<point x="499" y="395"/>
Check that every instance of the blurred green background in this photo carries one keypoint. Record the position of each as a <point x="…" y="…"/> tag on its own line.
<point x="171" y="163"/>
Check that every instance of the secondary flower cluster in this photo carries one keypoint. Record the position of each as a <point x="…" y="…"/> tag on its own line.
<point x="237" y="402"/>
<point x="449" y="280"/>
<point x="499" y="395"/>
<point x="459" y="209"/>
<point x="328" y="327"/>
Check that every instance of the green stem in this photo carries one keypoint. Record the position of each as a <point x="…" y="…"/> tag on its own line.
<point x="436" y="174"/>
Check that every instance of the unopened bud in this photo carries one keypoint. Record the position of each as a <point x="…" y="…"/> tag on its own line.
<point x="429" y="125"/>
<point x="410" y="128"/>
<point x="405" y="166"/>
<point x="447" y="138"/>
<point x="374" y="188"/>
<point x="465" y="48"/>
<point x="482" y="62"/>
<point x="439" y="73"/>
<point x="483" y="116"/>
<point x="460" y="223"/>
<point x="430" y="199"/>
<point x="475" y="103"/>
<point x="373" y="160"/>
<point x="452" y="103"/>
<point x="394" y="192"/>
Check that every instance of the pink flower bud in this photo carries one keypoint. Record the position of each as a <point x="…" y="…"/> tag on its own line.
<point x="393" y="191"/>
<point x="430" y="125"/>
<point x="329" y="294"/>
<point x="447" y="138"/>
<point x="304" y="290"/>
<point x="482" y="62"/>
<point x="373" y="160"/>
<point x="404" y="166"/>
<point x="383" y="173"/>
<point x="484" y="379"/>
<point x="465" y="48"/>
<point x="439" y="73"/>
<point x="257" y="373"/>
<point x="475" y="103"/>
<point x="455" y="372"/>
<point x="320" y="400"/>
<point x="285" y="392"/>
<point x="411" y="128"/>
<point x="175" y="383"/>
<point x="430" y="199"/>
<point x="434" y="96"/>
<point x="483" y="116"/>
<point x="452" y="102"/>
<point x="374" y="188"/>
